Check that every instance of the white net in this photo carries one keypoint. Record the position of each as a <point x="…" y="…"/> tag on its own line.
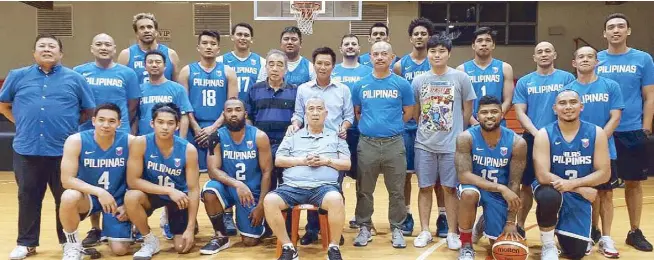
<point x="305" y="13"/>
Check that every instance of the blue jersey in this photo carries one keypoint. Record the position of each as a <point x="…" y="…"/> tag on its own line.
<point x="300" y="75"/>
<point x="168" y="91"/>
<point x="137" y="62"/>
<point x="165" y="171"/>
<point x="485" y="82"/>
<point x="104" y="168"/>
<point x="241" y="160"/>
<point x="492" y="164"/>
<point x="632" y="70"/>
<point x="247" y="70"/>
<point x="207" y="92"/>
<point x="574" y="159"/>
<point x="599" y="98"/>
<point x="350" y="76"/>
<point x="113" y="85"/>
<point x="409" y="70"/>
<point x="539" y="92"/>
<point x="381" y="102"/>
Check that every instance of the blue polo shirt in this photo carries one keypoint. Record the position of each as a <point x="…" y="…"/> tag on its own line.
<point x="381" y="102"/>
<point x="46" y="107"/>
<point x="271" y="111"/>
<point x="166" y="92"/>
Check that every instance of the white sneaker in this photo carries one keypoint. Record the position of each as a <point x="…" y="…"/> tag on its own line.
<point x="73" y="251"/>
<point x="589" y="248"/>
<point x="423" y="239"/>
<point x="149" y="248"/>
<point x="478" y="229"/>
<point x="549" y="252"/>
<point x="607" y="247"/>
<point x="20" y="252"/>
<point x="163" y="219"/>
<point x="453" y="241"/>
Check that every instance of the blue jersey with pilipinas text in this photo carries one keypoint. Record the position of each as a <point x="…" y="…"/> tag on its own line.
<point x="350" y="76"/>
<point x="409" y="69"/>
<point x="137" y="62"/>
<point x="485" y="82"/>
<point x="247" y="71"/>
<point x="104" y="168"/>
<point x="538" y="92"/>
<point x="166" y="92"/>
<point x="300" y="75"/>
<point x="633" y="70"/>
<point x="165" y="171"/>
<point x="207" y="92"/>
<point x="599" y="98"/>
<point x="116" y="85"/>
<point x="241" y="160"/>
<point x="492" y="164"/>
<point x="574" y="159"/>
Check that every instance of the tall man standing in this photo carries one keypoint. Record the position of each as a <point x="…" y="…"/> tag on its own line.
<point x="300" y="70"/>
<point x="47" y="102"/>
<point x="634" y="71"/>
<point x="248" y="65"/>
<point x="379" y="32"/>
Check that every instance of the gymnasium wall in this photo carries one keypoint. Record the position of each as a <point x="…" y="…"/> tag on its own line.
<point x="578" y="19"/>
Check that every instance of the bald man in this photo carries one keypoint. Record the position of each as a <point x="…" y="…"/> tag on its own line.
<point x="383" y="102"/>
<point x="533" y="98"/>
<point x="110" y="82"/>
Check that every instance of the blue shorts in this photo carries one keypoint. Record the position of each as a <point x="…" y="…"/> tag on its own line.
<point x="409" y="143"/>
<point x="574" y="216"/>
<point x="228" y="198"/>
<point x="177" y="218"/>
<point x="495" y="209"/>
<point x="296" y="196"/>
<point x="112" y="228"/>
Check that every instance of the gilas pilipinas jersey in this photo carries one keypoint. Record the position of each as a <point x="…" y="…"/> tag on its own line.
<point x="207" y="92"/>
<point x="572" y="160"/>
<point x="300" y="74"/>
<point x="410" y="70"/>
<point x="247" y="70"/>
<point x="115" y="85"/>
<point x="349" y="76"/>
<point x="492" y="164"/>
<point x="165" y="171"/>
<point x="104" y="168"/>
<point x="241" y="161"/>
<point x="137" y="62"/>
<point x="485" y="82"/>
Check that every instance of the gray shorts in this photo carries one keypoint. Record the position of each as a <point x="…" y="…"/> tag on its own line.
<point x="432" y="166"/>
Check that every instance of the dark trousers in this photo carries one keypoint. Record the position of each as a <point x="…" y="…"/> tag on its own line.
<point x="33" y="175"/>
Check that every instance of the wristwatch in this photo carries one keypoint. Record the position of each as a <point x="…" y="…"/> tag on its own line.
<point x="329" y="162"/>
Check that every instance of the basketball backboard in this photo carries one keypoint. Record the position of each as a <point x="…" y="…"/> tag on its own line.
<point x="329" y="10"/>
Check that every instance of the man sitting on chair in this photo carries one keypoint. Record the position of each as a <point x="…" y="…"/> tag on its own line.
<point x="313" y="156"/>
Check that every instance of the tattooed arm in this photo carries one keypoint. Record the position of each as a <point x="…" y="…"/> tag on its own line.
<point x="518" y="164"/>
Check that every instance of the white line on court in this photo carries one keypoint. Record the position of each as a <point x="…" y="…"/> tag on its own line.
<point x="431" y="250"/>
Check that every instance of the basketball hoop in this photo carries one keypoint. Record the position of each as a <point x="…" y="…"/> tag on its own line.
<point x="305" y="13"/>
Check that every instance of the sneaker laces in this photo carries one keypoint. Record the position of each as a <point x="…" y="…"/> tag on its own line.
<point x="608" y="243"/>
<point x="549" y="247"/>
<point x="467" y="251"/>
<point x="287" y="252"/>
<point x="72" y="250"/>
<point x="424" y="235"/>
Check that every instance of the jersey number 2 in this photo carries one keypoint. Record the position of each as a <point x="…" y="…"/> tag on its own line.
<point x="572" y="174"/>
<point x="104" y="180"/>
<point x="240" y="171"/>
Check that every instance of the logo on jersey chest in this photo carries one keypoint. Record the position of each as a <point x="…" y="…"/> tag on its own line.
<point x="219" y="73"/>
<point x="178" y="162"/>
<point x="253" y="62"/>
<point x="496" y="69"/>
<point x="250" y="144"/>
<point x="504" y="151"/>
<point x="585" y="143"/>
<point x="119" y="151"/>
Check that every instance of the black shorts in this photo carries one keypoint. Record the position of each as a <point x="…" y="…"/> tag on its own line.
<point x="613" y="181"/>
<point x="632" y="155"/>
<point x="177" y="218"/>
<point x="529" y="174"/>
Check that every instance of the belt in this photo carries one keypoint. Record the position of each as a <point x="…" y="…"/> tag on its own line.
<point x="382" y="139"/>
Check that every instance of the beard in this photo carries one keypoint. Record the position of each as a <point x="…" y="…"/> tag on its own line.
<point x="489" y="128"/>
<point x="235" y="126"/>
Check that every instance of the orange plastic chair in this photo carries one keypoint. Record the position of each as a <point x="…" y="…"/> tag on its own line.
<point x="295" y="224"/>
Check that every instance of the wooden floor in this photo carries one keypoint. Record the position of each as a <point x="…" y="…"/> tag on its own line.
<point x="379" y="248"/>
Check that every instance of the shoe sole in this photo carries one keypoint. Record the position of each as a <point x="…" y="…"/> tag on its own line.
<point x="212" y="252"/>
<point x="23" y="257"/>
<point x="361" y="245"/>
<point x="609" y="255"/>
<point x="428" y="242"/>
<point x="628" y="242"/>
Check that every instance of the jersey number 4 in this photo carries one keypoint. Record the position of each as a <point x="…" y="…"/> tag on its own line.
<point x="240" y="171"/>
<point x="104" y="180"/>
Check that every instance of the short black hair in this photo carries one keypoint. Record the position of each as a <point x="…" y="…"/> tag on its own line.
<point x="424" y="22"/>
<point x="49" y="36"/>
<point x="246" y="25"/>
<point x="379" y="24"/>
<point x="489" y="100"/>
<point x="324" y="50"/>
<point x="349" y="35"/>
<point x="616" y="15"/>
<point x="291" y="29"/>
<point x="155" y="52"/>
<point x="574" y="54"/>
<point x="107" y="106"/>
<point x="210" y="33"/>
<point x="235" y="99"/>
<point x="484" y="30"/>
<point x="168" y="107"/>
<point x="440" y="40"/>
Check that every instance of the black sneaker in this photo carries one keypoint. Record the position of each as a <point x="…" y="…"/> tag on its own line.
<point x="595" y="234"/>
<point x="522" y="232"/>
<point x="93" y="237"/>
<point x="334" y="253"/>
<point x="637" y="240"/>
<point x="289" y="253"/>
<point x="215" y="245"/>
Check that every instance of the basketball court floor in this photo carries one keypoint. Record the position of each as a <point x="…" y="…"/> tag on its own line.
<point x="379" y="248"/>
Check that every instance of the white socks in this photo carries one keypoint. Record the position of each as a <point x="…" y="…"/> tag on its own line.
<point x="547" y="237"/>
<point x="72" y="237"/>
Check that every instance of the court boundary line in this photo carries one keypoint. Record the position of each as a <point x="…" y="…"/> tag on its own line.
<point x="431" y="250"/>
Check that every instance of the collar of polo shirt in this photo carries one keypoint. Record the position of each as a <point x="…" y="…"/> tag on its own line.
<point x="307" y="134"/>
<point x="54" y="68"/>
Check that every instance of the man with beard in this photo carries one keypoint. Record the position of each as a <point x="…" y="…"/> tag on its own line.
<point x="602" y="99"/>
<point x="532" y="98"/>
<point x="571" y="157"/>
<point x="489" y="161"/>
<point x="240" y="165"/>
<point x="299" y="70"/>
<point x="145" y="26"/>
<point x="378" y="33"/>
<point x="247" y="64"/>
<point x="489" y="76"/>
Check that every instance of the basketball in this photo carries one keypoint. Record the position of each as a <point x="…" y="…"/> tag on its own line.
<point x="505" y="249"/>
